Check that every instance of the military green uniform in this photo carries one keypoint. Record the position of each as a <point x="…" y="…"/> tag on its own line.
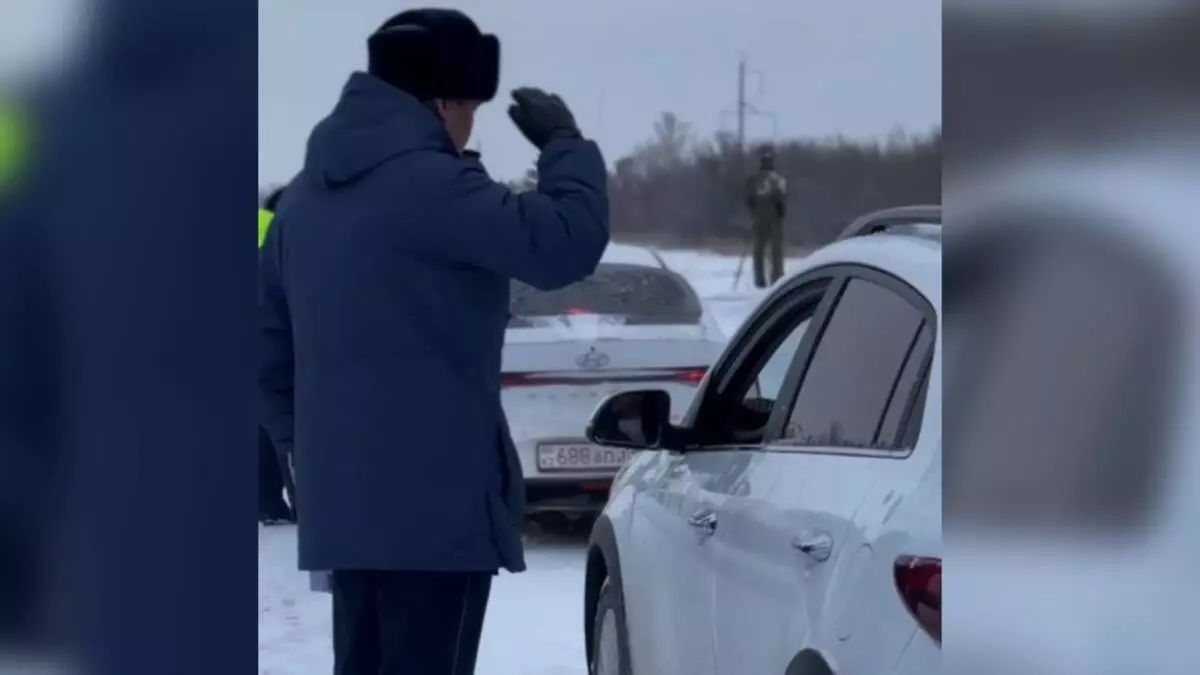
<point x="766" y="197"/>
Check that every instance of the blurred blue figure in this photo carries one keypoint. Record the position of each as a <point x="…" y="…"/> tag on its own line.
<point x="384" y="299"/>
<point x="28" y="447"/>
<point x="132" y="284"/>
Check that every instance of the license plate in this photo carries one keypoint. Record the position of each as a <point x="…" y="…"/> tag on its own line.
<point x="579" y="457"/>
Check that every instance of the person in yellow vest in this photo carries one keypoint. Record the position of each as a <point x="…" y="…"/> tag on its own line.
<point x="14" y="142"/>
<point x="274" y="472"/>
<point x="264" y="223"/>
<point x="266" y="213"/>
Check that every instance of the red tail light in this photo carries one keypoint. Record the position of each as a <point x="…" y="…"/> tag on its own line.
<point x="919" y="581"/>
<point x="686" y="376"/>
<point x="508" y="380"/>
<point x="691" y="376"/>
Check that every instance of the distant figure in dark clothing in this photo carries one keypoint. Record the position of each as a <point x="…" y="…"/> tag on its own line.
<point x="766" y="197"/>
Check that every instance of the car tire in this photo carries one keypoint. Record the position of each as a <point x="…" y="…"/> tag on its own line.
<point x="610" y="635"/>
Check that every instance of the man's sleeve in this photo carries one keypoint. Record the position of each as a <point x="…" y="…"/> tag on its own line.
<point x="549" y="238"/>
<point x="277" y="371"/>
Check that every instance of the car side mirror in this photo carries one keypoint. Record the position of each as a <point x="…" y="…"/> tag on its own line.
<point x="632" y="419"/>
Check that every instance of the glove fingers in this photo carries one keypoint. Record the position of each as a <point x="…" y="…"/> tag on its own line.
<point x="520" y="117"/>
<point x="523" y="95"/>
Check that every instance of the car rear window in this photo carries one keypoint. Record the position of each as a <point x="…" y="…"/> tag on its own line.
<point x="633" y="293"/>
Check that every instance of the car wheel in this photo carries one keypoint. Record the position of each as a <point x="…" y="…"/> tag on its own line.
<point x="610" y="646"/>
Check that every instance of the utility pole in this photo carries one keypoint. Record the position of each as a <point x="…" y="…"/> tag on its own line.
<point x="741" y="103"/>
<point x="745" y="107"/>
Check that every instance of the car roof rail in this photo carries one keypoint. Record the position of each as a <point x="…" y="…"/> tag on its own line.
<point x="899" y="216"/>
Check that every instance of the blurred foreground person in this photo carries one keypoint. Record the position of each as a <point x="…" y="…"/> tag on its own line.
<point x="27" y="448"/>
<point x="272" y="466"/>
<point x="384" y="292"/>
<point x="766" y="197"/>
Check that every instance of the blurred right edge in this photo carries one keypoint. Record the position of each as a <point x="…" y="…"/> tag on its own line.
<point x="1071" y="273"/>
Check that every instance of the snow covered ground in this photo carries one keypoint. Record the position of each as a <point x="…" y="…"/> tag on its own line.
<point x="534" y="620"/>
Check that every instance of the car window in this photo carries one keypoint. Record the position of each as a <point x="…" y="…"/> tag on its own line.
<point x="897" y="430"/>
<point x="770" y="378"/>
<point x="754" y="371"/>
<point x="860" y="357"/>
<point x="631" y="294"/>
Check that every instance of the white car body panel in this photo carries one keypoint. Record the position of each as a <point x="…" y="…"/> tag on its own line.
<point x="746" y="600"/>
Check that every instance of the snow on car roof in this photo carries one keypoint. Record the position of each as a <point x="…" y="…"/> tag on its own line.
<point x="630" y="254"/>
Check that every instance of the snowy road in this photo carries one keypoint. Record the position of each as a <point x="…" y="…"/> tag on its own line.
<point x="534" y="620"/>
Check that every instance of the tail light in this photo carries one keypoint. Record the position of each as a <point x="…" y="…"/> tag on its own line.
<point x="691" y="375"/>
<point x="919" y="581"/>
<point x="508" y="380"/>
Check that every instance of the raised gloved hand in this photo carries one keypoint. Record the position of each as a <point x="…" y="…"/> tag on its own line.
<point x="541" y="117"/>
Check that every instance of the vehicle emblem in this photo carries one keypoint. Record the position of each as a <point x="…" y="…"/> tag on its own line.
<point x="592" y="359"/>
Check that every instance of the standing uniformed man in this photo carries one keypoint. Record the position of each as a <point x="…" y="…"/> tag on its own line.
<point x="766" y="197"/>
<point x="384" y="285"/>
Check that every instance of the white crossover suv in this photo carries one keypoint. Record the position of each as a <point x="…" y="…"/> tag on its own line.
<point x="790" y="521"/>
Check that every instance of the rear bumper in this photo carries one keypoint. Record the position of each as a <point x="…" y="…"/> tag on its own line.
<point x="562" y="491"/>
<point x="573" y="495"/>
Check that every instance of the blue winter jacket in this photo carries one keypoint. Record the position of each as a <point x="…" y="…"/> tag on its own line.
<point x="384" y="293"/>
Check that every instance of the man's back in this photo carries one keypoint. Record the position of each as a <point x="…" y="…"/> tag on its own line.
<point x="391" y="257"/>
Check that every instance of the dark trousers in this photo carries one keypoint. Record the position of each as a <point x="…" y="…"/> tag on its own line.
<point x="270" y="480"/>
<point x="768" y="251"/>
<point x="408" y="623"/>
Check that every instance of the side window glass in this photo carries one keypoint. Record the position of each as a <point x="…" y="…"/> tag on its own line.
<point x="770" y="378"/>
<point x="903" y="416"/>
<point x="740" y="415"/>
<point x="860" y="357"/>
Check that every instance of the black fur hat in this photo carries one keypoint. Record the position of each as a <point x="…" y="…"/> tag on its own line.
<point x="436" y="53"/>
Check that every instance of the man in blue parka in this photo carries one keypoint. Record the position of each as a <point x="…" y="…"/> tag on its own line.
<point x="384" y="296"/>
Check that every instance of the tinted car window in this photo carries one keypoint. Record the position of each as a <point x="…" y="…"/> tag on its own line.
<point x="634" y="293"/>
<point x="852" y="374"/>
<point x="906" y="407"/>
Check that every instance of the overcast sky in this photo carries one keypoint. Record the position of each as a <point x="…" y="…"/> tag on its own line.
<point x="854" y="67"/>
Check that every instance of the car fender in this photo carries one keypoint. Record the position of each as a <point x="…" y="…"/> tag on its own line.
<point x="603" y="561"/>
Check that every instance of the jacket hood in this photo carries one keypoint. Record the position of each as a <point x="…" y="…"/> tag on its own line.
<point x="371" y="123"/>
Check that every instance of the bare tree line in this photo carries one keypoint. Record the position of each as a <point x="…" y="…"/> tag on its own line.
<point x="676" y="190"/>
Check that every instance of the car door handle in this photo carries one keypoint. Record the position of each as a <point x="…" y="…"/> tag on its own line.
<point x="705" y="521"/>
<point x="816" y="545"/>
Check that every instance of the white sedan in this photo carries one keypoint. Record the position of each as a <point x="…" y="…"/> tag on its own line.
<point x="634" y="323"/>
